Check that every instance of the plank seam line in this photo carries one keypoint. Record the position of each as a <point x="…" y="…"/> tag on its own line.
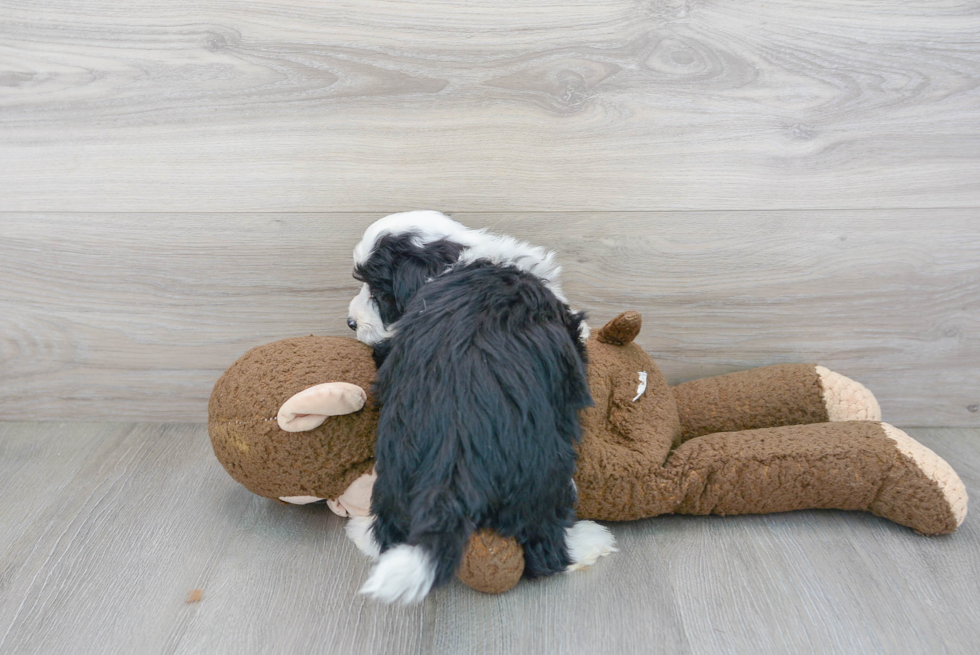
<point x="502" y="211"/>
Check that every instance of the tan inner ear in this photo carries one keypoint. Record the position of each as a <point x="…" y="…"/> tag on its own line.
<point x="312" y="406"/>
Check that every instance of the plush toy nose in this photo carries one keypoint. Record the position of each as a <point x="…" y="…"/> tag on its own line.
<point x="351" y="323"/>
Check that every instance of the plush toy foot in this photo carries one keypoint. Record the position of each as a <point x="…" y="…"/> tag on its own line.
<point x="587" y="542"/>
<point x="847" y="399"/>
<point x="926" y="494"/>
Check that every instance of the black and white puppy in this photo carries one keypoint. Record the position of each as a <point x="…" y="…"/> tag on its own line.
<point x="481" y="379"/>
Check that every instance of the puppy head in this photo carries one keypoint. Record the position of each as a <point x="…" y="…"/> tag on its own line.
<point x="400" y="252"/>
<point x="393" y="264"/>
<point x="428" y="225"/>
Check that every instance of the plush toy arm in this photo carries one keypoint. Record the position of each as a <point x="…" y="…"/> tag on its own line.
<point x="772" y="396"/>
<point x="855" y="465"/>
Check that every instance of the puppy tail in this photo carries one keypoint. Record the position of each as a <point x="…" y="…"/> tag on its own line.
<point x="431" y="554"/>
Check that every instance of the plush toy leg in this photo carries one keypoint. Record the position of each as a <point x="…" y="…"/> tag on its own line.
<point x="858" y="465"/>
<point x="772" y="396"/>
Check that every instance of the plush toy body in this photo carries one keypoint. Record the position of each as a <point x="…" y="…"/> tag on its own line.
<point x="774" y="439"/>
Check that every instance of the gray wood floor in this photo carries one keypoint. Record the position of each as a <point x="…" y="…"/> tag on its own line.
<point x="106" y="528"/>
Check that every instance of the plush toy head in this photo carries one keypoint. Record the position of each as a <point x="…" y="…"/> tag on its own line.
<point x="267" y="442"/>
<point x="323" y="453"/>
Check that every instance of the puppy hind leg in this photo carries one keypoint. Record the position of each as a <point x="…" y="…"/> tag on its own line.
<point x="374" y="534"/>
<point x="428" y="556"/>
<point x="587" y="541"/>
<point x="403" y="572"/>
<point x="360" y="530"/>
<point x="387" y="531"/>
<point x="545" y="547"/>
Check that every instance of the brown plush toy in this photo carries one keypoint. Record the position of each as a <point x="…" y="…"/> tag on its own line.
<point x="295" y="421"/>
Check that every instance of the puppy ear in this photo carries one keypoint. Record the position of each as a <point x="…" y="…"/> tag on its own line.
<point x="399" y="266"/>
<point x="409" y="276"/>
<point x="413" y="269"/>
<point x="312" y="406"/>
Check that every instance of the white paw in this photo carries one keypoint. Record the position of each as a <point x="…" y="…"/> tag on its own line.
<point x="587" y="542"/>
<point x="404" y="573"/>
<point x="359" y="531"/>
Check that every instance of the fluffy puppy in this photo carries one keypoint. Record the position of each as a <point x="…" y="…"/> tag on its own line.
<point x="480" y="386"/>
<point x="401" y="252"/>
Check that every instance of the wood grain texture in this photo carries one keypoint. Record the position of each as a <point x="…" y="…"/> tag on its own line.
<point x="767" y="579"/>
<point x="124" y="519"/>
<point x="107" y="564"/>
<point x="502" y="105"/>
<point x="133" y="317"/>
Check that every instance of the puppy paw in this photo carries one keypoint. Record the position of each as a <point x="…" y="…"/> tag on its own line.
<point x="587" y="541"/>
<point x="404" y="573"/>
<point x="359" y="531"/>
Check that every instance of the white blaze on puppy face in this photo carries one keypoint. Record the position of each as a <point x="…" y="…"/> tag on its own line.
<point x="370" y="327"/>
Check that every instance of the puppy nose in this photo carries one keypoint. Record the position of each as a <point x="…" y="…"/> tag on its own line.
<point x="351" y="323"/>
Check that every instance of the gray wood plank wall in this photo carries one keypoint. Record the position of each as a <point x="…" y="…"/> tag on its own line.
<point x="505" y="105"/>
<point x="134" y="316"/>
<point x="766" y="182"/>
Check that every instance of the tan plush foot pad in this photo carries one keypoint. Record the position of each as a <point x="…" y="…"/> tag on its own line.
<point x="933" y="467"/>
<point x="846" y="399"/>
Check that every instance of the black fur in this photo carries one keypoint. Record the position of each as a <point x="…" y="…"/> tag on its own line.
<point x="397" y="269"/>
<point x="479" y="392"/>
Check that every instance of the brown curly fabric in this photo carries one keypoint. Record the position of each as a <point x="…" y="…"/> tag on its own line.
<point x="624" y="442"/>
<point x="270" y="462"/>
<point x="491" y="563"/>
<point x="621" y="330"/>
<point x="784" y="394"/>
<point x="851" y="465"/>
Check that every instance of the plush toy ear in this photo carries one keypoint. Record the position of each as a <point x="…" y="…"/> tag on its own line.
<point x="312" y="406"/>
<point x="622" y="329"/>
